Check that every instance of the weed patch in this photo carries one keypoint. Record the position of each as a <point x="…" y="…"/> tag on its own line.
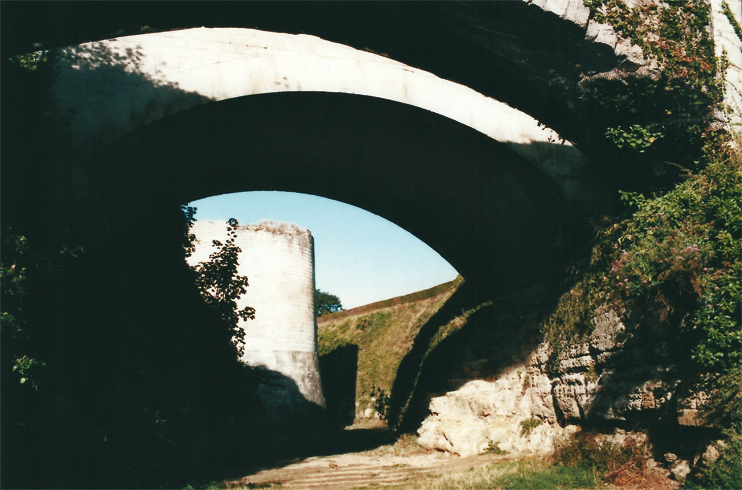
<point x="494" y="448"/>
<point x="527" y="426"/>
<point x="675" y="251"/>
<point x="525" y="475"/>
<point x="725" y="472"/>
<point x="611" y="462"/>
<point x="532" y="477"/>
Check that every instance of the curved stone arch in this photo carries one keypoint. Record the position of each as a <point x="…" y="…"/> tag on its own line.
<point x="119" y="85"/>
<point x="497" y="219"/>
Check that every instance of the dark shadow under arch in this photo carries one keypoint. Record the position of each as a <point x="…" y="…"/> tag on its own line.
<point x="498" y="220"/>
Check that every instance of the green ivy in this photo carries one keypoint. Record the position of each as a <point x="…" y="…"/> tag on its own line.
<point x="675" y="251"/>
<point x="682" y="250"/>
<point x="661" y="117"/>
<point x="679" y="251"/>
<point x="27" y="368"/>
<point x="635" y="136"/>
<point x="23" y="261"/>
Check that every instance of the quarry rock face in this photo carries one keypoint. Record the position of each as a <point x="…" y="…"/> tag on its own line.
<point x="619" y="373"/>
<point x="625" y="371"/>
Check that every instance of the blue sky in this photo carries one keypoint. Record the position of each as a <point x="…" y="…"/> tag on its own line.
<point x="359" y="256"/>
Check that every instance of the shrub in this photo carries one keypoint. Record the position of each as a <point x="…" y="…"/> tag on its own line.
<point x="726" y="471"/>
<point x="677" y="249"/>
<point x="610" y="461"/>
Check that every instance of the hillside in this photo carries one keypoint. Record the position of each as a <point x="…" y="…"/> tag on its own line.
<point x="361" y="350"/>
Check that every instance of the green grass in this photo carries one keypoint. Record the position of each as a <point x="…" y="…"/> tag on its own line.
<point x="399" y="300"/>
<point x="206" y="486"/>
<point x="533" y="477"/>
<point x="520" y="475"/>
<point x="384" y="333"/>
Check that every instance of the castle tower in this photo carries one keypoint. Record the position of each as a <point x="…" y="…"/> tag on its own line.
<point x="278" y="259"/>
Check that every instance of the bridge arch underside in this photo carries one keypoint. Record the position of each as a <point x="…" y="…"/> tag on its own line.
<point x="495" y="217"/>
<point x="510" y="51"/>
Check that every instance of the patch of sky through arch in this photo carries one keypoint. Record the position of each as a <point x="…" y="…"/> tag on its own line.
<point x="359" y="256"/>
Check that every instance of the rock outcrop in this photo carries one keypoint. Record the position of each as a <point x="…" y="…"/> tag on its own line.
<point x="484" y="415"/>
<point x="626" y="371"/>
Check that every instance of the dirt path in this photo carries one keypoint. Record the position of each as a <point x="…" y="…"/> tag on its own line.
<point x="377" y="467"/>
<point x="369" y="456"/>
<point x="384" y="468"/>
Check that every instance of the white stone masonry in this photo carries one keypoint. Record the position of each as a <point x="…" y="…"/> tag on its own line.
<point x="278" y="260"/>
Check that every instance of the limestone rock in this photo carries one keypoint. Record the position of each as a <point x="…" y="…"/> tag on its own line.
<point x="609" y="332"/>
<point x="464" y="436"/>
<point x="631" y="56"/>
<point x="711" y="454"/>
<point x="692" y="402"/>
<point x="480" y="413"/>
<point x="623" y="372"/>
<point x="574" y="394"/>
<point x="542" y="400"/>
<point x="601" y="33"/>
<point x="580" y="363"/>
<point x="539" y="357"/>
<point x="622" y="437"/>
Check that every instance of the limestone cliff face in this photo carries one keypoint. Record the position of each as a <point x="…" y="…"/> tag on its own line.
<point x="627" y="371"/>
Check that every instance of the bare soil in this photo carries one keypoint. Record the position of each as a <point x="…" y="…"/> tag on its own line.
<point x="400" y="464"/>
<point x="351" y="470"/>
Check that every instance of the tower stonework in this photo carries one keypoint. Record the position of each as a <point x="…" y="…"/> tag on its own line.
<point x="278" y="259"/>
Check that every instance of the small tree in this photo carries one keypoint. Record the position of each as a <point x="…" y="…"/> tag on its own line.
<point x="218" y="282"/>
<point x="326" y="303"/>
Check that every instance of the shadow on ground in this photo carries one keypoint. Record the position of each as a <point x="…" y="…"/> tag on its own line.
<point x="491" y="337"/>
<point x="330" y="442"/>
<point x="287" y="428"/>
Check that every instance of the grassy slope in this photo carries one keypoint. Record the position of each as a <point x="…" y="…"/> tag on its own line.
<point x="383" y="334"/>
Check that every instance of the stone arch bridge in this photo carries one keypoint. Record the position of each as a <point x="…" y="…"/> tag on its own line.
<point x="178" y="115"/>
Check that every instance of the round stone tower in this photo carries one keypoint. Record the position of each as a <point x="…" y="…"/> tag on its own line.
<point x="278" y="259"/>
